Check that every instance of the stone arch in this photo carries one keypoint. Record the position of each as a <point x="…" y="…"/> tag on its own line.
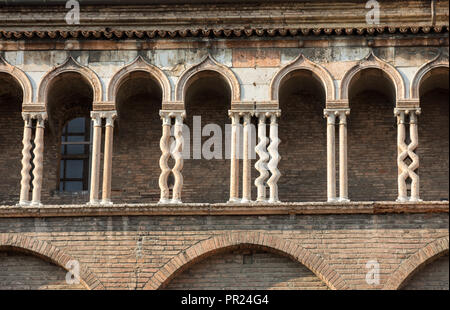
<point x="208" y="247"/>
<point x="70" y="65"/>
<point x="303" y="63"/>
<point x="439" y="61"/>
<point x="20" y="77"/>
<point x="208" y="63"/>
<point x="373" y="62"/>
<point x="139" y="64"/>
<point x="49" y="252"/>
<point x="413" y="264"/>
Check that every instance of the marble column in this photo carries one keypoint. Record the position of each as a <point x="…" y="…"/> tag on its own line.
<point x="274" y="157"/>
<point x="26" y="164"/>
<point x="331" y="155"/>
<point x="343" y="159"/>
<point x="178" y="156"/>
<point x="38" y="158"/>
<point x="107" y="163"/>
<point x="96" y="151"/>
<point x="246" y="161"/>
<point x="261" y="151"/>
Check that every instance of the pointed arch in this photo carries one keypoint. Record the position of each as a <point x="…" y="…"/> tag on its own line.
<point x="208" y="63"/>
<point x="414" y="263"/>
<point x="20" y="77"/>
<point x="208" y="247"/>
<point x="139" y="64"/>
<point x="49" y="252"/>
<point x="440" y="61"/>
<point x="70" y="65"/>
<point x="303" y="63"/>
<point x="373" y="62"/>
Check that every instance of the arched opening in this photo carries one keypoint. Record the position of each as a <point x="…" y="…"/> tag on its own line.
<point x="433" y="135"/>
<point x="432" y="276"/>
<point x="67" y="140"/>
<point x="11" y="135"/>
<point x="136" y="139"/>
<point x="249" y="268"/>
<point x="372" y="137"/>
<point x="302" y="131"/>
<point x="20" y="270"/>
<point x="206" y="172"/>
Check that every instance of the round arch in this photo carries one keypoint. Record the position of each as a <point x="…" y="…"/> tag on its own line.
<point x="21" y="78"/>
<point x="208" y="64"/>
<point x="139" y="64"/>
<point x="373" y="62"/>
<point x="438" y="62"/>
<point x="302" y="63"/>
<point x="413" y="264"/>
<point x="208" y="247"/>
<point x="46" y="250"/>
<point x="70" y="65"/>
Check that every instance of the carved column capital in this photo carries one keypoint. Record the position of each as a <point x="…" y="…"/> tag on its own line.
<point x="407" y="111"/>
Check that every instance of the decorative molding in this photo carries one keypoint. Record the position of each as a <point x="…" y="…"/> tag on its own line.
<point x="302" y="63"/>
<point x="70" y="65"/>
<point x="440" y="61"/>
<point x="373" y="62"/>
<point x="139" y="64"/>
<point x="21" y="78"/>
<point x="208" y="63"/>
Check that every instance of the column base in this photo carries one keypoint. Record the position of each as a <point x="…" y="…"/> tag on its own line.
<point x="106" y="202"/>
<point x="94" y="202"/>
<point x="23" y="203"/>
<point x="234" y="200"/>
<point x="402" y="199"/>
<point x="343" y="200"/>
<point x="262" y="200"/>
<point x="245" y="200"/>
<point x="175" y="201"/>
<point x="36" y="204"/>
<point x="332" y="200"/>
<point x="273" y="201"/>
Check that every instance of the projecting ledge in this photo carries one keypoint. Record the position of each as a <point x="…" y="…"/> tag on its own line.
<point x="154" y="209"/>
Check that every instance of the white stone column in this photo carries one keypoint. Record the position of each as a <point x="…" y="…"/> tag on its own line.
<point x="38" y="158"/>
<point x="234" y="161"/>
<point x="165" y="155"/>
<point x="274" y="157"/>
<point x="96" y="151"/>
<point x="343" y="169"/>
<point x="246" y="161"/>
<point x="26" y="164"/>
<point x="178" y="157"/>
<point x="261" y="164"/>
<point x="331" y="155"/>
<point x="107" y="163"/>
<point x="406" y="151"/>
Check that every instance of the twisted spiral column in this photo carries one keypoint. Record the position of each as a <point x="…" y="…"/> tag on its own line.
<point x="414" y="136"/>
<point x="261" y="164"/>
<point x="163" y="161"/>
<point x="178" y="157"/>
<point x="96" y="150"/>
<point x="246" y="162"/>
<point x="107" y="163"/>
<point x="38" y="158"/>
<point x="234" y="162"/>
<point x="402" y="153"/>
<point x="274" y="158"/>
<point x="26" y="165"/>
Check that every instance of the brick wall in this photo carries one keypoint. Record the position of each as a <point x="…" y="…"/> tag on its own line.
<point x="246" y="269"/>
<point x="432" y="277"/>
<point x="126" y="251"/>
<point x="20" y="271"/>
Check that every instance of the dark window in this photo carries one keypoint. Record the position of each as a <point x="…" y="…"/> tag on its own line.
<point x="74" y="165"/>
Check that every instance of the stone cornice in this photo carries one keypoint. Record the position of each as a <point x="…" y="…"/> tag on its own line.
<point x="307" y="208"/>
<point x="195" y="20"/>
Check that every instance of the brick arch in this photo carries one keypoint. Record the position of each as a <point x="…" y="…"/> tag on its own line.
<point x="20" y="77"/>
<point x="70" y="65"/>
<point x="373" y="62"/>
<point x="414" y="263"/>
<point x="303" y="63"/>
<point x="208" y="63"/>
<point x="208" y="247"/>
<point x="139" y="64"/>
<point x="439" y="61"/>
<point x="49" y="252"/>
